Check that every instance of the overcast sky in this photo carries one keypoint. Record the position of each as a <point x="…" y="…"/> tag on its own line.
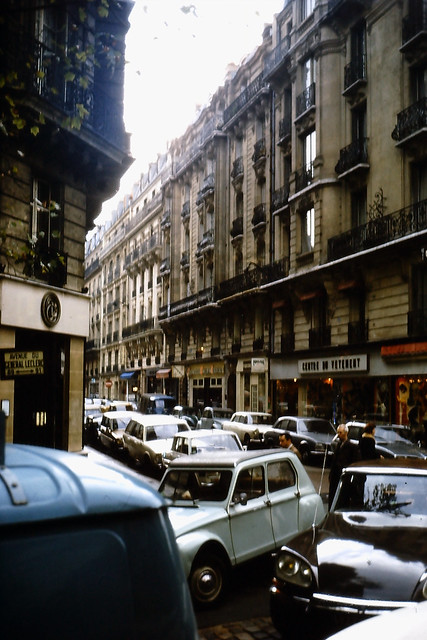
<point x="177" y="54"/>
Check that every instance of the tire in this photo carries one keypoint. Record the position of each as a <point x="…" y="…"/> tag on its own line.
<point x="208" y="579"/>
<point x="305" y="455"/>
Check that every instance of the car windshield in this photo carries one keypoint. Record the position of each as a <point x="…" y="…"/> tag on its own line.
<point x="198" y="484"/>
<point x="164" y="405"/>
<point x="393" y="434"/>
<point x="222" y="413"/>
<point x="214" y="442"/>
<point x="318" y="426"/>
<point x="399" y="494"/>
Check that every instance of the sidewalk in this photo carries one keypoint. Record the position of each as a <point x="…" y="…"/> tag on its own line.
<point x="252" y="629"/>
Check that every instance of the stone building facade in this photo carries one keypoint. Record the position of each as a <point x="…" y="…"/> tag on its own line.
<point x="294" y="262"/>
<point x="63" y="156"/>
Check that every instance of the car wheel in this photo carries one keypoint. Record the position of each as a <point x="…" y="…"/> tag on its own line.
<point x="305" y="455"/>
<point x="207" y="579"/>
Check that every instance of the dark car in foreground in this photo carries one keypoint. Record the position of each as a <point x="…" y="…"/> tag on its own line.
<point x="311" y="436"/>
<point x="391" y="440"/>
<point x="86" y="552"/>
<point x="369" y="556"/>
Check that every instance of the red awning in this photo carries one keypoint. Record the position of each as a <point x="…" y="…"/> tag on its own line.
<point x="410" y="349"/>
<point x="162" y="373"/>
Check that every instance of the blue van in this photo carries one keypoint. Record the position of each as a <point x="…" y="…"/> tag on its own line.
<point x="87" y="552"/>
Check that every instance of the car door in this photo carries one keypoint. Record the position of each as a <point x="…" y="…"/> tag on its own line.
<point x="282" y="487"/>
<point x="250" y="523"/>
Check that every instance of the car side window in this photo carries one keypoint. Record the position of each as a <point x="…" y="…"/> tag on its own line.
<point x="291" y="426"/>
<point x="280" y="475"/>
<point x="250" y="481"/>
<point x="130" y="429"/>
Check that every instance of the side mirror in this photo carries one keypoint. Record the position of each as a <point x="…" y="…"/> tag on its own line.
<point x="241" y="498"/>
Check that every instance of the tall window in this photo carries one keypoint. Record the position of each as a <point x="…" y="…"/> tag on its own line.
<point x="47" y="218"/>
<point x="309" y="154"/>
<point x="307" y="230"/>
<point x="307" y="8"/>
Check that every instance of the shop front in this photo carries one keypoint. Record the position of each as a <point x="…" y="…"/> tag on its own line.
<point x="252" y="384"/>
<point x="373" y="385"/>
<point x="207" y="384"/>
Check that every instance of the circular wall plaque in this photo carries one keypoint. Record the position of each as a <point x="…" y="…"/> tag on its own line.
<point x="50" y="309"/>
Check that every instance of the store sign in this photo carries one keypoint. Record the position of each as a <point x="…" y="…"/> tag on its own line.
<point x="14" y="364"/>
<point x="341" y="364"/>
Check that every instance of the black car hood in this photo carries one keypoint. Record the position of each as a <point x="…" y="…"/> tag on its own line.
<point x="369" y="555"/>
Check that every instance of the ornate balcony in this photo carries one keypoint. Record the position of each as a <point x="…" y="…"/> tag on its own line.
<point x="237" y="174"/>
<point x="165" y="267"/>
<point x="253" y="277"/>
<point x="191" y="303"/>
<point x="185" y="211"/>
<point x="165" y="222"/>
<point x="411" y="127"/>
<point x="245" y="98"/>
<point x="206" y="244"/>
<point x="259" y="219"/>
<point x="353" y="157"/>
<point x="277" y="57"/>
<point x="237" y="227"/>
<point x="379" y="231"/>
<point x="306" y="100"/>
<point x="280" y="198"/>
<point x="285" y="132"/>
<point x="355" y="75"/>
<point x="304" y="177"/>
<point x="185" y="260"/>
<point x="414" y="31"/>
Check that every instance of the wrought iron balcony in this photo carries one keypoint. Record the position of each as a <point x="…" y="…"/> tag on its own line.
<point x="277" y="57"/>
<point x="185" y="211"/>
<point x="417" y="323"/>
<point x="304" y="177"/>
<point x="411" y="123"/>
<point x="357" y="332"/>
<point x="245" y="97"/>
<point x="253" y="277"/>
<point x="237" y="227"/>
<point x="354" y="75"/>
<point x="319" y="337"/>
<point x="306" y="100"/>
<point x="185" y="260"/>
<point x="379" y="231"/>
<point x="260" y="151"/>
<point x="206" y="243"/>
<point x="280" y="198"/>
<point x="260" y="215"/>
<point x="165" y="267"/>
<point x="258" y="344"/>
<point x="414" y="28"/>
<point x="285" y="131"/>
<point x="203" y="297"/>
<point x="238" y="168"/>
<point x="165" y="222"/>
<point x="353" y="156"/>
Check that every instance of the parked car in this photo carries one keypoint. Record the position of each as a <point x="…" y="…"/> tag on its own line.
<point x="369" y="556"/>
<point x="188" y="413"/>
<point x="391" y="440"/>
<point x="213" y="417"/>
<point x="118" y="405"/>
<point x="249" y="425"/>
<point x="112" y="428"/>
<point x="311" y="436"/>
<point x="202" y="441"/>
<point x="407" y="623"/>
<point x="148" y="437"/>
<point x="85" y="549"/>
<point x="156" y="403"/>
<point x="92" y="420"/>
<point x="230" y="508"/>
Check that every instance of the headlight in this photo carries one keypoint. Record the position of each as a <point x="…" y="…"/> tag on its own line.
<point x="291" y="569"/>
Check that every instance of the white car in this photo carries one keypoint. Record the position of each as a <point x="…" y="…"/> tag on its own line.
<point x="250" y="425"/>
<point x="231" y="508"/>
<point x="112" y="428"/>
<point x="148" y="437"/>
<point x="202" y="441"/>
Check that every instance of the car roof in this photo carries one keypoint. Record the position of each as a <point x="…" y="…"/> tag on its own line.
<point x="253" y="413"/>
<point x="49" y="484"/>
<point x="121" y="414"/>
<point x="155" y="419"/>
<point x="228" y="459"/>
<point x="390" y="465"/>
<point x="204" y="433"/>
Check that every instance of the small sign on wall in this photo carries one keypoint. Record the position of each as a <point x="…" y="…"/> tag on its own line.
<point x="14" y="364"/>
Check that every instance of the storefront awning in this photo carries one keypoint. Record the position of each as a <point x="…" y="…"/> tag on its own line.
<point x="162" y="373"/>
<point x="127" y="375"/>
<point x="411" y="349"/>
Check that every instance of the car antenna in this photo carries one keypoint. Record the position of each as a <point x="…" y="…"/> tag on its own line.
<point x="313" y="525"/>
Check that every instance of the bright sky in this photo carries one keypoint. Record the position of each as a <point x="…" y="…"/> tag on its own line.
<point x="177" y="55"/>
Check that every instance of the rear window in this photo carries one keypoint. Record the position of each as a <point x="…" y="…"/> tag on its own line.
<point x="198" y="484"/>
<point x="319" y="426"/>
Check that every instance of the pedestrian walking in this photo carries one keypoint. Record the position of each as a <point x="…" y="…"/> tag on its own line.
<point x="285" y="441"/>
<point x="367" y="443"/>
<point x="345" y="453"/>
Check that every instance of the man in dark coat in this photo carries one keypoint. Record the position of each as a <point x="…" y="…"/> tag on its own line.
<point x="345" y="453"/>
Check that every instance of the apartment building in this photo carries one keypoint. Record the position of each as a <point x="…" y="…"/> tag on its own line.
<point x="295" y="266"/>
<point x="64" y="154"/>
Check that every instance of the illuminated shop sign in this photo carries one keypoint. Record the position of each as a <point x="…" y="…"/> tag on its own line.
<point x="15" y="364"/>
<point x="341" y="364"/>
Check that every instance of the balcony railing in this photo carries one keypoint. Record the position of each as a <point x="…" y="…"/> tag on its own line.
<point x="411" y="121"/>
<point x="414" y="25"/>
<point x="277" y="56"/>
<point x="205" y="296"/>
<point x="238" y="168"/>
<point x="185" y="211"/>
<point x="280" y="198"/>
<point x="285" y="130"/>
<point x="244" y="98"/>
<point x="379" y="231"/>
<point x="140" y="327"/>
<point x="252" y="278"/>
<point x="352" y="155"/>
<point x="165" y="267"/>
<point x="206" y="243"/>
<point x="260" y="214"/>
<point x="306" y="100"/>
<point x="319" y="337"/>
<point x="237" y="227"/>
<point x="185" y="260"/>
<point x="355" y="73"/>
<point x="304" y="177"/>
<point x="417" y="323"/>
